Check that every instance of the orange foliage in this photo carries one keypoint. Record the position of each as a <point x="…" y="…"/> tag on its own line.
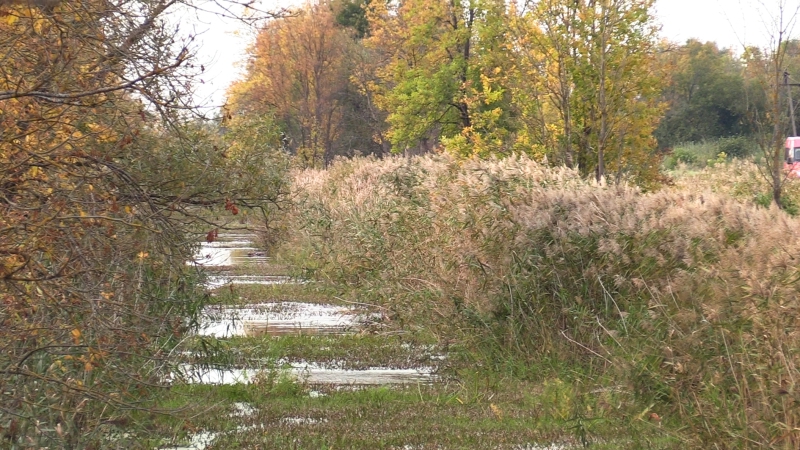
<point x="297" y="72"/>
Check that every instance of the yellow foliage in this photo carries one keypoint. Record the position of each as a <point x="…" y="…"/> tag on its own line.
<point x="76" y="336"/>
<point x="11" y="19"/>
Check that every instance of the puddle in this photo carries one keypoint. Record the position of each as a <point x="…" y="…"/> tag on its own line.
<point x="242" y="409"/>
<point x="314" y="375"/>
<point x="221" y="254"/>
<point x="228" y="244"/>
<point x="301" y="421"/>
<point x="276" y="319"/>
<point x="229" y="239"/>
<point x="198" y="441"/>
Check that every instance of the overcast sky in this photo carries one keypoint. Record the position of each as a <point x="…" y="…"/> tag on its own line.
<point x="730" y="23"/>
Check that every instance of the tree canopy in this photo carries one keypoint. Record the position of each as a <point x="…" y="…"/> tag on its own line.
<point x="576" y="82"/>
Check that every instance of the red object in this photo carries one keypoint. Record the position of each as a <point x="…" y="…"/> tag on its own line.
<point x="230" y="206"/>
<point x="793" y="169"/>
<point x="792" y="155"/>
<point x="212" y="235"/>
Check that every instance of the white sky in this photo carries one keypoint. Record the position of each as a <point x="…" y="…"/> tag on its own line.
<point x="730" y="23"/>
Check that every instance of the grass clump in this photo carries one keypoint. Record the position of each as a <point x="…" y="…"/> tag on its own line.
<point x="698" y="155"/>
<point x="689" y="299"/>
<point x="516" y="415"/>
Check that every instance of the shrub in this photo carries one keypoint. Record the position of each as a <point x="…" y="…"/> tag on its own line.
<point x="701" y="154"/>
<point x="737" y="146"/>
<point x="684" y="155"/>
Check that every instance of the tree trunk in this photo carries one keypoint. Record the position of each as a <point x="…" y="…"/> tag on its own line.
<point x="463" y="108"/>
<point x="602" y="136"/>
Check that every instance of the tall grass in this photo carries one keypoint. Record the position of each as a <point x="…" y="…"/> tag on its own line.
<point x="688" y="298"/>
<point x="741" y="179"/>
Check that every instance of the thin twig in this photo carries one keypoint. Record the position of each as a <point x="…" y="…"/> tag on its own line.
<point x="358" y="303"/>
<point x="585" y="347"/>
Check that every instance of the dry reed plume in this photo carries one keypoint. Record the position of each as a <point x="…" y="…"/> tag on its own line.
<point x="690" y="297"/>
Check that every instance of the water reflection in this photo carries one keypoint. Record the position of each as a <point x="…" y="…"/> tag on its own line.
<point x="278" y="318"/>
<point x="220" y="254"/>
<point x="313" y="374"/>
<point x="224" y="280"/>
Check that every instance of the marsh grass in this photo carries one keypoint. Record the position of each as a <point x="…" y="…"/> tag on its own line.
<point x="342" y="352"/>
<point x="247" y="294"/>
<point x="688" y="297"/>
<point x="743" y="180"/>
<point x="468" y="412"/>
<point x="475" y="405"/>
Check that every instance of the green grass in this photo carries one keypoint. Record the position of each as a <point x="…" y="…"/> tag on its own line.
<point x="468" y="411"/>
<point x="246" y="294"/>
<point x="697" y="155"/>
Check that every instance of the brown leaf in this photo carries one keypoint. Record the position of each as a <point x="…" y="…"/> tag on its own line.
<point x="212" y="235"/>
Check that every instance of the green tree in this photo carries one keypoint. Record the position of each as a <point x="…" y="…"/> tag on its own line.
<point x="706" y="95"/>
<point x="597" y="71"/>
<point x="353" y="14"/>
<point x="440" y="80"/>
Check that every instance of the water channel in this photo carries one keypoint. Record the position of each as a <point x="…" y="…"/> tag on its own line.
<point x="226" y="260"/>
<point x="279" y="318"/>
<point x="235" y="260"/>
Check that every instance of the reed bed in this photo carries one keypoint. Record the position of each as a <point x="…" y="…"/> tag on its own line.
<point x="686" y="297"/>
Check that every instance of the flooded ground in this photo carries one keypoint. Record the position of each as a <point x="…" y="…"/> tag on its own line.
<point x="313" y="374"/>
<point x="217" y="281"/>
<point x="318" y="372"/>
<point x="198" y="441"/>
<point x="279" y="318"/>
<point x="229" y="250"/>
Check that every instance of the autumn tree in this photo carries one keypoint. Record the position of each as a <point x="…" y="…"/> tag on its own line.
<point x="548" y="36"/>
<point x="575" y="80"/>
<point x="599" y="72"/>
<point x="440" y="78"/>
<point x="299" y="73"/>
<point x="103" y="175"/>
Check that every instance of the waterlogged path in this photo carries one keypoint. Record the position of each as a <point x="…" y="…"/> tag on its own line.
<point x="278" y="318"/>
<point x="277" y="363"/>
<point x="235" y="260"/>
<point x="269" y="317"/>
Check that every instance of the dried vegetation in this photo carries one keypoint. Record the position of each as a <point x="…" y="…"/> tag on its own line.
<point x="687" y="298"/>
